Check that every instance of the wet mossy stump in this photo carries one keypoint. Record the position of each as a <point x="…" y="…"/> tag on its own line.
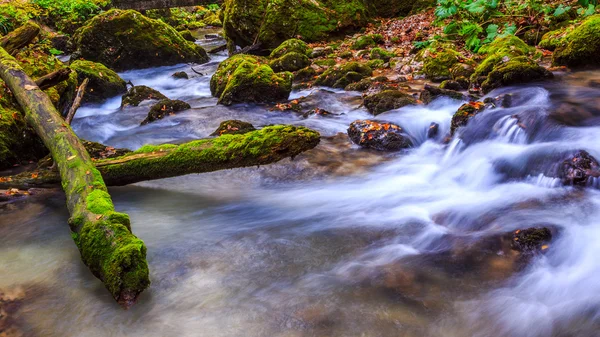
<point x="103" y="236"/>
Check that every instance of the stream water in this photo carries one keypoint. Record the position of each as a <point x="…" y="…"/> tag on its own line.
<point x="341" y="241"/>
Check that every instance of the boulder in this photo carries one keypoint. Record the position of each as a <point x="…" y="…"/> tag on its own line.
<point x="182" y="75"/>
<point x="290" y="46"/>
<point x="363" y="42"/>
<point x="437" y="67"/>
<point x="516" y="71"/>
<point x="380" y="54"/>
<point x="305" y="74"/>
<point x="291" y="61"/>
<point x="245" y="78"/>
<point x="104" y="83"/>
<point x="341" y="76"/>
<point x="379" y="136"/>
<point x="140" y="93"/>
<point x="581" y="47"/>
<point x="464" y="114"/>
<point x="431" y="92"/>
<point x="165" y="108"/>
<point x="388" y="100"/>
<point x="452" y="85"/>
<point x="233" y="127"/>
<point x="125" y="39"/>
<point x="187" y="35"/>
<point x="579" y="169"/>
<point x="269" y="23"/>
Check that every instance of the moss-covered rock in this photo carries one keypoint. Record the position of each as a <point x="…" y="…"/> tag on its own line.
<point x="187" y="35"/>
<point x="380" y="136"/>
<point x="452" y="85"/>
<point x="388" y="100"/>
<point x="516" y="71"/>
<point x="125" y="40"/>
<point x="270" y="22"/>
<point x="363" y="42"/>
<point x="506" y="45"/>
<point x="464" y="114"/>
<point x="165" y="108"/>
<point x="342" y="76"/>
<point x="380" y="54"/>
<point x="140" y="93"/>
<point x="289" y="46"/>
<point x="376" y="64"/>
<point x="291" y="61"/>
<point x="431" y="92"/>
<point x="581" y="47"/>
<point x="244" y="78"/>
<point x="104" y="83"/>
<point x="305" y="74"/>
<point x="233" y="127"/>
<point x="552" y="39"/>
<point x="437" y="67"/>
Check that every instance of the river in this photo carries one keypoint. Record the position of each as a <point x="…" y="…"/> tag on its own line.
<point x="341" y="241"/>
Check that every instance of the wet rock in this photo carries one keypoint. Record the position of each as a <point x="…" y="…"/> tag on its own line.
<point x="126" y="39"/>
<point x="580" y="48"/>
<point x="233" y="127"/>
<point x="451" y="85"/>
<point x="531" y="240"/>
<point x="342" y="76"/>
<point x="388" y="100"/>
<point x="515" y="71"/>
<point x="321" y="51"/>
<point x="140" y="93"/>
<point x="433" y="130"/>
<point x="579" y="169"/>
<point x="245" y="78"/>
<point x="430" y="93"/>
<point x="305" y="74"/>
<point x="165" y="108"/>
<point x="317" y="112"/>
<point x="104" y="83"/>
<point x="379" y="136"/>
<point x="181" y="75"/>
<point x="464" y="114"/>
<point x="504" y="101"/>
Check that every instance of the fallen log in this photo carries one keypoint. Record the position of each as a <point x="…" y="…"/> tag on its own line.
<point x="103" y="236"/>
<point x="261" y="147"/>
<point x="52" y="79"/>
<point x="20" y="37"/>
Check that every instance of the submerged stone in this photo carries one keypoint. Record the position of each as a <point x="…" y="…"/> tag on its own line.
<point x="379" y="136"/>
<point x="165" y="108"/>
<point x="579" y="169"/>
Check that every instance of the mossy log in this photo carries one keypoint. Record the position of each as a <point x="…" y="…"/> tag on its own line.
<point x="103" y="236"/>
<point x="20" y="37"/>
<point x="261" y="147"/>
<point x="54" y="78"/>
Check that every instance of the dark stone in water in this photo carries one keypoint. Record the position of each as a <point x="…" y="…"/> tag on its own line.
<point x="181" y="75"/>
<point x="531" y="239"/>
<point x="464" y="114"/>
<point x="164" y="108"/>
<point x="433" y="130"/>
<point x="430" y="93"/>
<point x="504" y="101"/>
<point x="379" y="136"/>
<point x="578" y="169"/>
<point x="233" y="127"/>
<point x="140" y="93"/>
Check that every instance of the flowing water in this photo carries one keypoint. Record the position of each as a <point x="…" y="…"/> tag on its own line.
<point x="341" y="241"/>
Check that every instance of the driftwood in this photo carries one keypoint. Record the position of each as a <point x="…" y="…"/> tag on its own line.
<point x="52" y="79"/>
<point x="77" y="101"/>
<point x="265" y="146"/>
<point x="20" y="37"/>
<point x="103" y="236"/>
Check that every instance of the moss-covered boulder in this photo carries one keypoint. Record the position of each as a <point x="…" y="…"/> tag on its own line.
<point x="581" y="47"/>
<point x="104" y="83"/>
<point x="388" y="100"/>
<point x="342" y="76"/>
<point x="305" y="74"/>
<point x="289" y="46"/>
<point x="233" y="127"/>
<point x="380" y="54"/>
<point x="430" y="92"/>
<point x="452" y="85"/>
<point x="140" y="93"/>
<point x="499" y="51"/>
<point x="165" y="107"/>
<point x="363" y="42"/>
<point x="516" y="71"/>
<point x="271" y="22"/>
<point x="292" y="61"/>
<point x="244" y="78"/>
<point x="437" y="67"/>
<point x="552" y="39"/>
<point x="187" y="35"/>
<point x="126" y="39"/>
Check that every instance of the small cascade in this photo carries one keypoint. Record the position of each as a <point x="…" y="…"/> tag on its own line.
<point x="544" y="181"/>
<point x="509" y="130"/>
<point x="455" y="147"/>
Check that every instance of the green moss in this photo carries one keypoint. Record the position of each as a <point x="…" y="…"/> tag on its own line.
<point x="388" y="100"/>
<point x="103" y="82"/>
<point x="326" y="63"/>
<point x="288" y="46"/>
<point x="381" y="54"/>
<point x="363" y="42"/>
<point x="516" y="71"/>
<point x="99" y="202"/>
<point x="580" y="48"/>
<point x="553" y="39"/>
<point x="305" y="74"/>
<point x="291" y="61"/>
<point x="376" y="64"/>
<point x="507" y="45"/>
<point x="437" y="67"/>
<point x="143" y="42"/>
<point x="344" y="75"/>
